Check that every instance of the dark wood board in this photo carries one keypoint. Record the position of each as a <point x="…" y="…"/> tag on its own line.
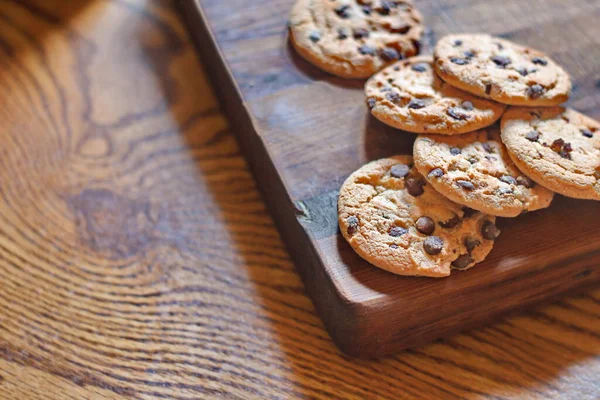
<point x="304" y="131"/>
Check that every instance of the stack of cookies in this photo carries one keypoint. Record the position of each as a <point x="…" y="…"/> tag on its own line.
<point x="434" y="212"/>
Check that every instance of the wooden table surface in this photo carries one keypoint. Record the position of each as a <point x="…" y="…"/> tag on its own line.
<point x="137" y="257"/>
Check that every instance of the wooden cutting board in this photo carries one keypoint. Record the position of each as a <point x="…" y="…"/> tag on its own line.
<point x="304" y="131"/>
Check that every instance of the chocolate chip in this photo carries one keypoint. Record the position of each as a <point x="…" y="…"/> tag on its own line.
<point x="469" y="212"/>
<point x="471" y="243"/>
<point x="557" y="145"/>
<point x="561" y="147"/>
<point x="396" y="68"/>
<point x="457" y="113"/>
<point x="360" y="33"/>
<point x="501" y="61"/>
<point x="420" y="67"/>
<point x="399" y="170"/>
<point x="393" y="97"/>
<point x="397" y="231"/>
<point x="455" y="151"/>
<point x="523" y="71"/>
<point x="566" y="151"/>
<point x="465" y="185"/>
<point x="539" y="61"/>
<point x="472" y="160"/>
<point x="525" y="181"/>
<point x="500" y="47"/>
<point x="459" y="61"/>
<point x="352" y="222"/>
<point x="436" y="173"/>
<point x="433" y="245"/>
<point x="462" y="262"/>
<point x="389" y="54"/>
<point x="467" y="105"/>
<point x="342" y="34"/>
<point x="425" y="225"/>
<point x="314" y="37"/>
<point x="451" y="223"/>
<point x="587" y="133"/>
<point x="416" y="104"/>
<point x="371" y="101"/>
<point x="488" y="88"/>
<point x="489" y="231"/>
<point x="487" y="147"/>
<point x="535" y="91"/>
<point x="533" y="136"/>
<point x="366" y="9"/>
<point x="393" y="246"/>
<point x="367" y="50"/>
<point x="343" y="11"/>
<point x="508" y="180"/>
<point x="401" y="29"/>
<point x="458" y="42"/>
<point x="385" y="8"/>
<point x="503" y="190"/>
<point x="469" y="54"/>
<point x="414" y="186"/>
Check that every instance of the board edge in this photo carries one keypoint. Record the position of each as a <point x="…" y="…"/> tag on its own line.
<point x="330" y="304"/>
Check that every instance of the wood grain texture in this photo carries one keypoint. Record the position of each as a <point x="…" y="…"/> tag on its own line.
<point x="305" y="131"/>
<point x="138" y="260"/>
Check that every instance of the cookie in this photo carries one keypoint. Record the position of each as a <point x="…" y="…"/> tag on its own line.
<point x="409" y="95"/>
<point x="397" y="222"/>
<point x="355" y="38"/>
<point x="475" y="170"/>
<point x="557" y="147"/>
<point x="501" y="70"/>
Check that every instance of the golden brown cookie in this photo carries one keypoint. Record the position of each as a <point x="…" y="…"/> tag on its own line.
<point x="397" y="222"/>
<point x="500" y="70"/>
<point x="557" y="147"/>
<point x="475" y="170"/>
<point x="355" y="38"/>
<point x="409" y="95"/>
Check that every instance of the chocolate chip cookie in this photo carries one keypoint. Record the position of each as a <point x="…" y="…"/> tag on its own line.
<point x="475" y="170"/>
<point x="409" y="95"/>
<point x="558" y="148"/>
<point x="501" y="70"/>
<point x="396" y="221"/>
<point x="355" y="38"/>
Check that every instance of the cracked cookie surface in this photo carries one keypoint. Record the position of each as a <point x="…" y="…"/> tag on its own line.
<point x="558" y="148"/>
<point x="397" y="222"/>
<point x="501" y="70"/>
<point x="475" y="170"/>
<point x="355" y="38"/>
<point x="409" y="95"/>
